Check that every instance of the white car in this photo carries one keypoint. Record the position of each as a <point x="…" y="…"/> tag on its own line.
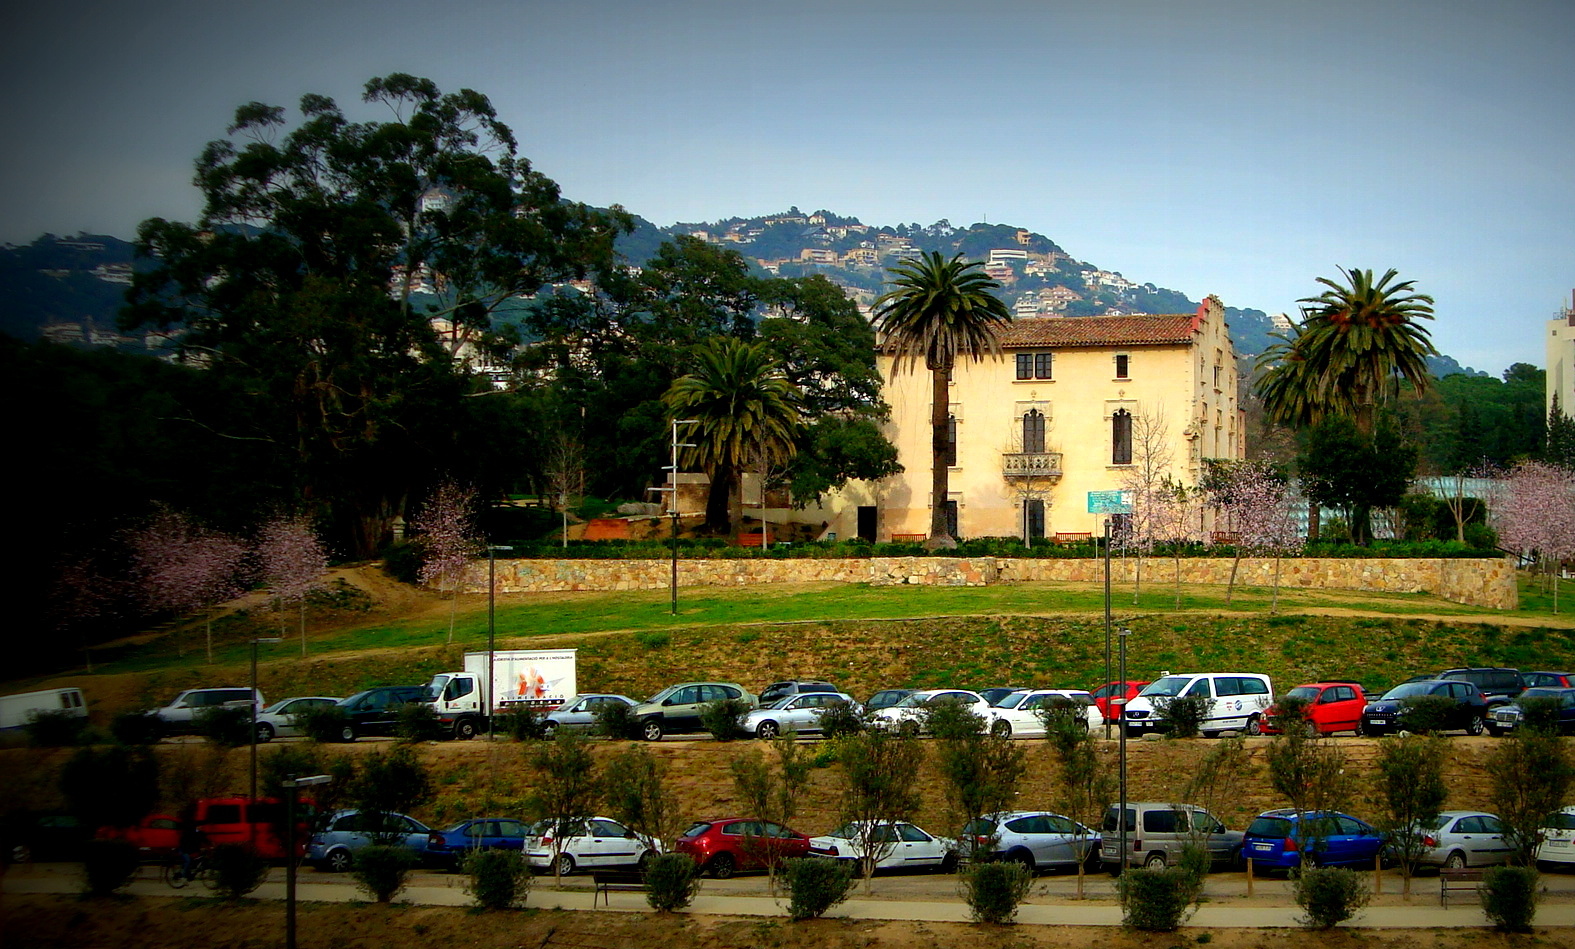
<point x="1039" y="840"/>
<point x="908" y="716"/>
<point x="1018" y="714"/>
<point x="278" y="719"/>
<point x="591" y="843"/>
<point x="1558" y="838"/>
<point x="801" y="713"/>
<point x="578" y="714"/>
<point x="902" y="846"/>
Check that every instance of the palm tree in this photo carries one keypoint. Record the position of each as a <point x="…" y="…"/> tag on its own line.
<point x="940" y="310"/>
<point x="1355" y="343"/>
<point x="744" y="406"/>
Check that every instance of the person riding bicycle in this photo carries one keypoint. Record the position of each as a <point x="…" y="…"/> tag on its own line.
<point x="191" y="844"/>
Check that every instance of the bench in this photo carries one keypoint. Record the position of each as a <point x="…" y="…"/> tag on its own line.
<point x="606" y="881"/>
<point x="1073" y="537"/>
<point x="907" y="538"/>
<point x="1453" y="880"/>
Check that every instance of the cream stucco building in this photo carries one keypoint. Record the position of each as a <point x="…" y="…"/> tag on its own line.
<point x="1561" y="362"/>
<point x="1066" y="410"/>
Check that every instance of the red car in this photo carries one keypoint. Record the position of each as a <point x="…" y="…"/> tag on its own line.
<point x="1103" y="694"/>
<point x="1331" y="707"/>
<point x="723" y="847"/>
<point x="157" y="836"/>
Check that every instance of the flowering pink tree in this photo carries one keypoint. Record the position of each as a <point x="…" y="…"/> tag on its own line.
<point x="1255" y="501"/>
<point x="1535" y="515"/>
<point x="80" y="595"/>
<point x="182" y="566"/>
<point x="447" y="535"/>
<point x="293" y="562"/>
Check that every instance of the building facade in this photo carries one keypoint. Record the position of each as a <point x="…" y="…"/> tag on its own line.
<point x="1068" y="410"/>
<point x="1561" y="362"/>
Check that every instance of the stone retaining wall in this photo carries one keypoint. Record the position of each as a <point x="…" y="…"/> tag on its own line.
<point x="1485" y="582"/>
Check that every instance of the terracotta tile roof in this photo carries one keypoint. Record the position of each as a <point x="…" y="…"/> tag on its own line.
<point x="1071" y="331"/>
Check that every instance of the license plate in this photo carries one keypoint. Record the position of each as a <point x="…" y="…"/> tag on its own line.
<point x="1263" y="847"/>
<point x="1556" y="843"/>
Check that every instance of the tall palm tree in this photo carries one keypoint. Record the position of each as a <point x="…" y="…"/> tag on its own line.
<point x="744" y="406"/>
<point x="1355" y="343"/>
<point x="940" y="310"/>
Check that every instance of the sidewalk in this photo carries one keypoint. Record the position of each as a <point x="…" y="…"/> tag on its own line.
<point x="1424" y="914"/>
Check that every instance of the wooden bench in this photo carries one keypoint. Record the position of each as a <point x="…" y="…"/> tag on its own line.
<point x="1452" y="880"/>
<point x="1073" y="537"/>
<point x="606" y="881"/>
<point x="907" y="538"/>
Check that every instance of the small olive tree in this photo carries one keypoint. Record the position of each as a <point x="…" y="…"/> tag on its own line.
<point x="878" y="789"/>
<point x="1529" y="779"/>
<point x="1086" y="784"/>
<point x="637" y="794"/>
<point x="567" y="788"/>
<point x="1409" y="791"/>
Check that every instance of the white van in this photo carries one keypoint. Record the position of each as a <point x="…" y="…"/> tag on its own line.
<point x="1236" y="701"/>
<point x="16" y="711"/>
<point x="181" y="714"/>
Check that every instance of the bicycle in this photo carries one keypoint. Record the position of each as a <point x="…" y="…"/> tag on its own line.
<point x="177" y="874"/>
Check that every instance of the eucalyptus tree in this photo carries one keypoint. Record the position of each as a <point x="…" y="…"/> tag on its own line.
<point x="744" y="407"/>
<point x="939" y="311"/>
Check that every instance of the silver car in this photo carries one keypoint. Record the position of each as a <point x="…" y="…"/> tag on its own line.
<point x="1465" y="839"/>
<point x="278" y="719"/>
<point x="1039" y="840"/>
<point x="800" y="713"/>
<point x="578" y="714"/>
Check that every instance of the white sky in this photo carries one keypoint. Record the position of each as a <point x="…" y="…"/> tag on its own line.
<point x="1242" y="149"/>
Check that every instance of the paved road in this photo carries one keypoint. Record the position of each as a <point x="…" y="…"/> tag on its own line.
<point x="929" y="898"/>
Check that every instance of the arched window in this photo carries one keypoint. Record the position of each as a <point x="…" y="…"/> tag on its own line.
<point x="1121" y="438"/>
<point x="1033" y="431"/>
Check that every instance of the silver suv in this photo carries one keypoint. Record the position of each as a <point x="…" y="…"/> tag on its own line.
<point x="676" y="709"/>
<point x="180" y="715"/>
<point x="1157" y="832"/>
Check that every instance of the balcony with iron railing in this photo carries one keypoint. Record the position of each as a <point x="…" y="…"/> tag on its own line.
<point x="1031" y="464"/>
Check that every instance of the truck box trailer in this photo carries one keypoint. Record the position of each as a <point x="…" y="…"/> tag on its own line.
<point x="16" y="711"/>
<point x="542" y="679"/>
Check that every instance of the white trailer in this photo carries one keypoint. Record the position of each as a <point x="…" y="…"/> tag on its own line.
<point x="542" y="679"/>
<point x="16" y="711"/>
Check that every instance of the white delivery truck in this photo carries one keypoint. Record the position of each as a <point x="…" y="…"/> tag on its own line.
<point x="16" y="711"/>
<point x="542" y="679"/>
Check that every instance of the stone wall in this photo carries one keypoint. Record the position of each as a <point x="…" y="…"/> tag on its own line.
<point x="1485" y="582"/>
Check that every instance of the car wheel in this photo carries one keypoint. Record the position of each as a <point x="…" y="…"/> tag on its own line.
<point x="21" y="853"/>
<point x="1025" y="858"/>
<point x="1001" y="729"/>
<point x="1455" y="861"/>
<point x="949" y="862"/>
<point x="549" y="730"/>
<point x="652" y="730"/>
<point x="1254" y="725"/>
<point x="347" y="733"/>
<point x="338" y="861"/>
<point x="908" y="729"/>
<point x="465" y="729"/>
<point x="1155" y="861"/>
<point x="767" y="730"/>
<point x="264" y="733"/>
<point x="1475" y="725"/>
<point x="1493" y="730"/>
<point x="644" y="863"/>
<point x="722" y="866"/>
<point x="1210" y="734"/>
<point x="563" y="865"/>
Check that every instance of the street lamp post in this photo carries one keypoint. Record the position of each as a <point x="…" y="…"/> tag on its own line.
<point x="492" y="626"/>
<point x="1109" y="693"/>
<point x="672" y="505"/>
<point x="255" y="642"/>
<point x="291" y="788"/>
<point x="1123" y="731"/>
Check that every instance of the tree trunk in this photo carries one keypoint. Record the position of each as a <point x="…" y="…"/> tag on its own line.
<point x="717" y="500"/>
<point x="940" y="402"/>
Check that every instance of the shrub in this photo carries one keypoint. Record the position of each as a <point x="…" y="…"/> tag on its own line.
<point x="722" y="718"/>
<point x="136" y="728"/>
<point x="499" y="879"/>
<point x="225" y="726"/>
<point x="382" y="870"/>
<point x="1181" y="716"/>
<point x="816" y="884"/>
<point x="56" y="729"/>
<point x="653" y="639"/>
<point x="523" y="723"/>
<point x="616" y="720"/>
<point x="108" y="865"/>
<point x="671" y="882"/>
<point x="1156" y="900"/>
<point x="839" y="719"/>
<point x="1329" y="895"/>
<point x="1540" y="714"/>
<point x="237" y="870"/>
<point x="948" y="719"/>
<point x="1423" y="714"/>
<point x="323" y="722"/>
<point x="1509" y="897"/>
<point x="416" y="721"/>
<point x="993" y="890"/>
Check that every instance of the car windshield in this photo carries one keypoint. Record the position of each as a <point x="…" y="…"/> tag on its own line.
<point x="661" y="695"/>
<point x="1270" y="827"/>
<point x="979" y="827"/>
<point x="1012" y="700"/>
<point x="696" y="830"/>
<point x="912" y="701"/>
<point x="1302" y="692"/>
<point x="782" y="702"/>
<point x="1407" y="688"/>
<point x="845" y="832"/>
<point x="276" y="706"/>
<point x="1169" y="685"/>
<point x="1562" y="821"/>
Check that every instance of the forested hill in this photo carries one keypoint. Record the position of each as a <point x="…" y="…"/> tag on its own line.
<point x="71" y="288"/>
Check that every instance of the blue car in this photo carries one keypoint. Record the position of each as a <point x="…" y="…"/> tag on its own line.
<point x="1281" y="839"/>
<point x="446" y="848"/>
<point x="334" y="847"/>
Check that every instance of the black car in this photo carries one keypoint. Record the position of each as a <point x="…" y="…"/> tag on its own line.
<point x="1498" y="685"/>
<point x="1465" y="707"/>
<point x="45" y="838"/>
<point x="1507" y="718"/>
<point x="376" y="711"/>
